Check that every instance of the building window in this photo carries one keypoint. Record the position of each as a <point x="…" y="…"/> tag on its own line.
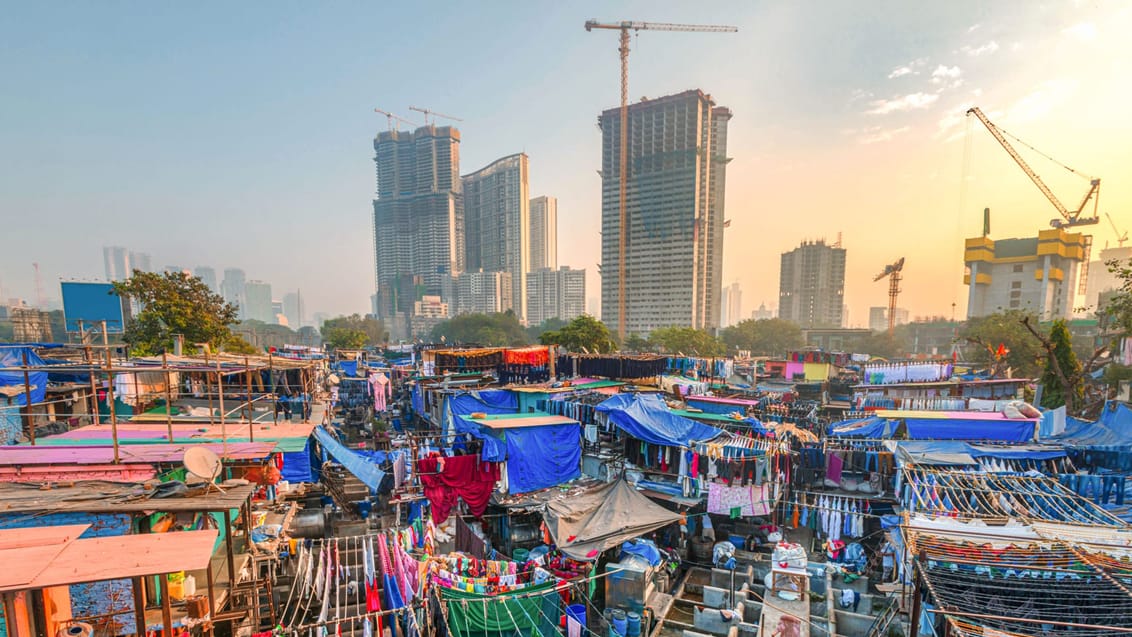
<point x="1018" y="267"/>
<point x="1015" y="285"/>
<point x="1015" y="303"/>
<point x="1015" y="294"/>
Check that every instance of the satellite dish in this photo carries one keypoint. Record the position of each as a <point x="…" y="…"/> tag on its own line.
<point x="203" y="463"/>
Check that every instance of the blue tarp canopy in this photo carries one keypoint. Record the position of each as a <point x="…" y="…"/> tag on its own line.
<point x="646" y="417"/>
<point x="537" y="457"/>
<point x="958" y="452"/>
<point x="297" y="465"/>
<point x="1112" y="431"/>
<point x="487" y="401"/>
<point x="872" y="427"/>
<point x="363" y="468"/>
<point x="13" y="356"/>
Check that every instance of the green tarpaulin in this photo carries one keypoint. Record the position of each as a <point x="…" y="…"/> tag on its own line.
<point x="525" y="612"/>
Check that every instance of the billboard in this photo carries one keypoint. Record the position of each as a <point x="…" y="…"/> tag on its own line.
<point x="93" y="303"/>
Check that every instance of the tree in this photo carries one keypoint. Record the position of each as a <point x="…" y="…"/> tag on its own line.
<point x="583" y="333"/>
<point x="344" y="337"/>
<point x="550" y="324"/>
<point x="494" y="330"/>
<point x="1116" y="315"/>
<point x="174" y="303"/>
<point x="636" y="343"/>
<point x="1005" y="333"/>
<point x="373" y="329"/>
<point x="880" y="344"/>
<point x="1062" y="380"/>
<point x="687" y="340"/>
<point x="764" y="337"/>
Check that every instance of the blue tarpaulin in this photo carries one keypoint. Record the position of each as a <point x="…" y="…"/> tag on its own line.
<point x="537" y="457"/>
<point x="959" y="429"/>
<point x="349" y="368"/>
<point x="873" y="428"/>
<point x="945" y="452"/>
<point x="1112" y="431"/>
<point x="297" y="465"/>
<point x="489" y="401"/>
<point x="363" y="468"/>
<point x="13" y="356"/>
<point x="646" y="417"/>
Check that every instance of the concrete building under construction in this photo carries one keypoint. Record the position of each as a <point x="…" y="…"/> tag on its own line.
<point x="1037" y="274"/>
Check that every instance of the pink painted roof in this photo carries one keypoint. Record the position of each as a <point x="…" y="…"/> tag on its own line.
<point x="138" y="431"/>
<point x="128" y="454"/>
<point x="54" y="556"/>
<point x="725" y="401"/>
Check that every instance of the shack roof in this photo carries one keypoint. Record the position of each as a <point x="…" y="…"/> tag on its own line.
<point x="55" y="556"/>
<point x="129" y="454"/>
<point x="288" y="437"/>
<point x="946" y="415"/>
<point x="98" y="496"/>
<point x="512" y="421"/>
<point x="746" y="402"/>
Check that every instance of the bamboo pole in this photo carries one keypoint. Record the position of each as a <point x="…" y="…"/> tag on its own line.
<point x="28" y="417"/>
<point x="168" y="396"/>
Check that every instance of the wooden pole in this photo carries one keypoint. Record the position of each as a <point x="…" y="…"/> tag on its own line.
<point x="271" y="377"/>
<point x="168" y="396"/>
<point x="110" y="394"/>
<point x="248" y="373"/>
<point x="220" y="398"/>
<point x="28" y="417"/>
<point x="208" y="386"/>
<point x="139" y="607"/>
<point x="95" y="419"/>
<point x="166" y="606"/>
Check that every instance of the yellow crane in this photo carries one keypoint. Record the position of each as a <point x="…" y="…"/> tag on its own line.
<point x="435" y="114"/>
<point x="1068" y="218"/>
<point x="391" y="117"/>
<point x="892" y="271"/>
<point x="625" y="27"/>
<point x="1120" y="238"/>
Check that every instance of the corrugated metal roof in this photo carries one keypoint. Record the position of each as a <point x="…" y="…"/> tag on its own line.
<point x="129" y="454"/>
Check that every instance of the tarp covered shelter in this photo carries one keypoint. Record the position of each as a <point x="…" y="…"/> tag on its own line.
<point x="646" y="417"/>
<point x="958" y="452"/>
<point x="362" y="467"/>
<point x="1113" y="430"/>
<point x="939" y="425"/>
<point x="541" y="450"/>
<point x="12" y="356"/>
<point x="584" y="526"/>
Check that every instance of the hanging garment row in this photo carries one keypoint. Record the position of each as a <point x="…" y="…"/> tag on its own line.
<point x="833" y="517"/>
<point x="1098" y="488"/>
<point x="890" y="373"/>
<point x="630" y="367"/>
<point x="701" y="368"/>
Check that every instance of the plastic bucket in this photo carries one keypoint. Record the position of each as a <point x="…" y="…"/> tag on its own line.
<point x="520" y="555"/>
<point x="738" y="540"/>
<point x="364" y="508"/>
<point x="578" y="613"/>
<point x="633" y="625"/>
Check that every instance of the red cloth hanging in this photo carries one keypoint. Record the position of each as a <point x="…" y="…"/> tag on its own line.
<point x="535" y="355"/>
<point x="466" y="477"/>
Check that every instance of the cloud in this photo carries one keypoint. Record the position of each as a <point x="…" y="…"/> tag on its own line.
<point x="1086" y="31"/>
<point x="985" y="49"/>
<point x="1039" y="102"/>
<point x="876" y="134"/>
<point x="943" y="73"/>
<point x="907" y="102"/>
<point x="973" y="27"/>
<point x="901" y="71"/>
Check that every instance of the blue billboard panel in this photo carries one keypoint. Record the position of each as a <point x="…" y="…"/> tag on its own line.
<point x="92" y="303"/>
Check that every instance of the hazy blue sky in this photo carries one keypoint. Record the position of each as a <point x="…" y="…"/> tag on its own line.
<point x="240" y="134"/>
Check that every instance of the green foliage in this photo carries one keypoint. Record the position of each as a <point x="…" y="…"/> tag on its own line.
<point x="236" y="344"/>
<point x="764" y="337"/>
<point x="345" y="329"/>
<point x="687" y="340"/>
<point x="497" y="330"/>
<point x="174" y="303"/>
<point x="1061" y="381"/>
<point x="584" y="332"/>
<point x="879" y="344"/>
<point x="1116" y="315"/>
<point x="635" y="343"/>
<point x="986" y="333"/>
<point x="1114" y="373"/>
<point x="549" y="325"/>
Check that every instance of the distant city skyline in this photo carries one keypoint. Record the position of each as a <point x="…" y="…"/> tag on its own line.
<point x="865" y="134"/>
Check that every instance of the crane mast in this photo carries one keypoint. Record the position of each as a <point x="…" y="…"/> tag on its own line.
<point x="894" y="272"/>
<point x="624" y="27"/>
<point x="1069" y="218"/>
<point x="435" y="114"/>
<point x="390" y="116"/>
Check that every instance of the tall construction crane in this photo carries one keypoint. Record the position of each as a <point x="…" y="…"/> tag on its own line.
<point x="1068" y="218"/>
<point x="625" y="27"/>
<point x="429" y="111"/>
<point x="892" y="271"/>
<point x="1120" y="238"/>
<point x="391" y="117"/>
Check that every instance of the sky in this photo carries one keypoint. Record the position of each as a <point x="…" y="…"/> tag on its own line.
<point x="240" y="134"/>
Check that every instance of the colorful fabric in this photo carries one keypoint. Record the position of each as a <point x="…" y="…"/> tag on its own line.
<point x="749" y="501"/>
<point x="464" y="477"/>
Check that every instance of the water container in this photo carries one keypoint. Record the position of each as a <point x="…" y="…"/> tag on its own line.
<point x="520" y="555"/>
<point x="620" y="622"/>
<point x="633" y="624"/>
<point x="190" y="586"/>
<point x="578" y="613"/>
<point x="738" y="540"/>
